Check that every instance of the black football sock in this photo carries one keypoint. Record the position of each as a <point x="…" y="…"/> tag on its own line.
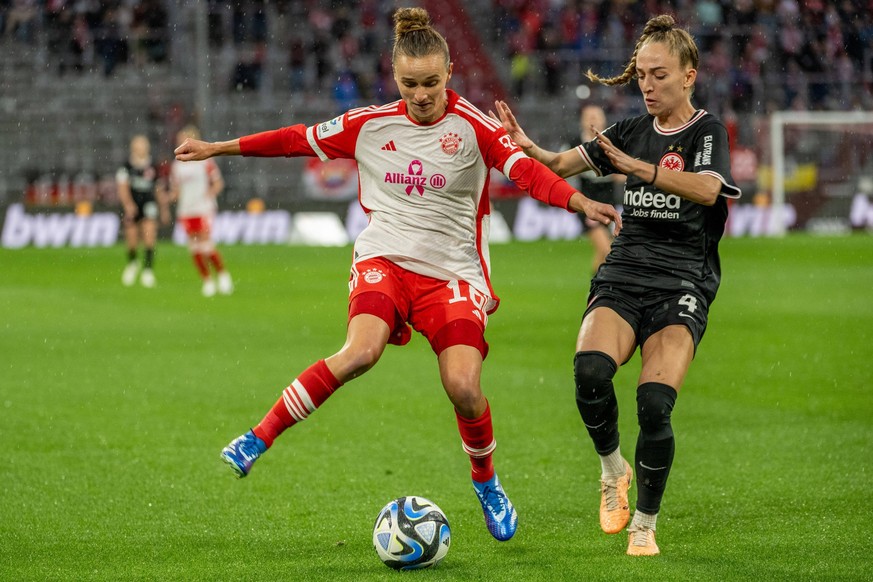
<point x="655" y="444"/>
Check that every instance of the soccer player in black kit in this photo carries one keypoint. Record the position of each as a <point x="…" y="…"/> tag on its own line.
<point x="662" y="273"/>
<point x="137" y="182"/>
<point x="604" y="189"/>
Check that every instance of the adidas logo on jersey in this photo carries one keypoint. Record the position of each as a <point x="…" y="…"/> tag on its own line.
<point x="389" y="147"/>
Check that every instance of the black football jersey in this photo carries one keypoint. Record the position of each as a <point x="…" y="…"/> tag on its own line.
<point x="600" y="188"/>
<point x="142" y="181"/>
<point x="667" y="242"/>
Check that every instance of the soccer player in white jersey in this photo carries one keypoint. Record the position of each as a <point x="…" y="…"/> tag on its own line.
<point x="423" y="259"/>
<point x="662" y="272"/>
<point x="195" y="187"/>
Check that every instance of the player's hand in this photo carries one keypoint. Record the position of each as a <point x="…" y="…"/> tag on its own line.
<point x="620" y="160"/>
<point x="193" y="150"/>
<point x="603" y="213"/>
<point x="510" y="124"/>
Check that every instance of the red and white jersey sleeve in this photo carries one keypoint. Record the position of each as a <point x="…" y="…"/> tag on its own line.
<point x="193" y="180"/>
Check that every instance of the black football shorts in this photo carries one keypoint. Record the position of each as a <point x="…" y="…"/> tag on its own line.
<point x="648" y="311"/>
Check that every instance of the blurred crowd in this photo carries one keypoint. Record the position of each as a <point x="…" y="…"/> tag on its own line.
<point x="338" y="47"/>
<point x="756" y="55"/>
<point x="89" y="34"/>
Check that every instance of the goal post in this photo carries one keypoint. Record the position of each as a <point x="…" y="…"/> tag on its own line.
<point x="836" y="147"/>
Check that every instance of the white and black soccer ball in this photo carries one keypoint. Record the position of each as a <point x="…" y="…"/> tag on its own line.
<point x="410" y="533"/>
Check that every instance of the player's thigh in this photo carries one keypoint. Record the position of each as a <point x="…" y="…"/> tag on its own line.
<point x="366" y="338"/>
<point x="604" y="330"/>
<point x="449" y="313"/>
<point x="666" y="356"/>
<point x="460" y="371"/>
<point x="674" y="324"/>
<point x="379" y="287"/>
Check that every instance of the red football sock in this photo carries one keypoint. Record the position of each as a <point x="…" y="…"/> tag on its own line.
<point x="300" y="399"/>
<point x="478" y="437"/>
<point x="215" y="257"/>
<point x="200" y="263"/>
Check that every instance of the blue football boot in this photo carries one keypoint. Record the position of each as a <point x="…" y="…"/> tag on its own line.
<point x="242" y="452"/>
<point x="500" y="515"/>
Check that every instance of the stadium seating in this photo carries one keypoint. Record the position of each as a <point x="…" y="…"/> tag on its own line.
<point x="76" y="119"/>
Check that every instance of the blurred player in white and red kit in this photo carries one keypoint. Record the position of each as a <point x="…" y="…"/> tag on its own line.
<point x="423" y="259"/>
<point x="195" y="187"/>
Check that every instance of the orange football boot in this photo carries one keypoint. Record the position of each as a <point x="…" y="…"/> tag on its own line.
<point x="641" y="542"/>
<point x="614" y="508"/>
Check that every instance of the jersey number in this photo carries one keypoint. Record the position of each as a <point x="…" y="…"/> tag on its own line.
<point x="689" y="301"/>
<point x="478" y="299"/>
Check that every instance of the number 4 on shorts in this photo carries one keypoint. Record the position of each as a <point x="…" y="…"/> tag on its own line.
<point x="689" y="301"/>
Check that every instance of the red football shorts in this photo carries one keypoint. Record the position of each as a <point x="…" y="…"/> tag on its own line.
<point x="196" y="225"/>
<point x="447" y="313"/>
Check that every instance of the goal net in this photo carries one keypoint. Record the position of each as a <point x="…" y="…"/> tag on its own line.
<point x="821" y="176"/>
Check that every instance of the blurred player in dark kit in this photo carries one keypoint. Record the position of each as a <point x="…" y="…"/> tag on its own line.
<point x="138" y="192"/>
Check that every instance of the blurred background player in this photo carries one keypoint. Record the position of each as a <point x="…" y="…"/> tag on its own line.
<point x="137" y="182"/>
<point x="195" y="187"/>
<point x="423" y="258"/>
<point x="663" y="272"/>
<point x="600" y="188"/>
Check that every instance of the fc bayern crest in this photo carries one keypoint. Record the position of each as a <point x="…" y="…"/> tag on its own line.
<point x="672" y="161"/>
<point x="373" y="276"/>
<point x="451" y="143"/>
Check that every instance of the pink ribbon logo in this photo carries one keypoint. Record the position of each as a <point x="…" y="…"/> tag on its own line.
<point x="415" y="169"/>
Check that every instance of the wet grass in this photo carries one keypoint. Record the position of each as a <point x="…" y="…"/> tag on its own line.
<point x="115" y="402"/>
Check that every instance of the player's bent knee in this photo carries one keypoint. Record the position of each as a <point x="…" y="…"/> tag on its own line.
<point x="470" y="403"/>
<point x="352" y="364"/>
<point x="654" y="408"/>
<point x="593" y="372"/>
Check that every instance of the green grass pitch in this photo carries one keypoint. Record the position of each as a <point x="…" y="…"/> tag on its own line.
<point x="115" y="402"/>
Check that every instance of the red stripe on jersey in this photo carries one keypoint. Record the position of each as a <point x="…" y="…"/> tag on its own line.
<point x="468" y="108"/>
<point x="374" y="110"/>
<point x="485" y="209"/>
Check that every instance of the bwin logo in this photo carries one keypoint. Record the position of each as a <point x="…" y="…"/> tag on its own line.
<point x="646" y="199"/>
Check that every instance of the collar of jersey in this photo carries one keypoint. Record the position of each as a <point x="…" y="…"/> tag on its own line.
<point x="697" y="115"/>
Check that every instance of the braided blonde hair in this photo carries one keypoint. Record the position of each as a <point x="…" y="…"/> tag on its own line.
<point x="661" y="28"/>
<point x="415" y="37"/>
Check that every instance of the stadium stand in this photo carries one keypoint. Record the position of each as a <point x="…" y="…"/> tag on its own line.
<point x="78" y="77"/>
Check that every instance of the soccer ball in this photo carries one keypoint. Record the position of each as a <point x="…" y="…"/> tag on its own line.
<point x="410" y="533"/>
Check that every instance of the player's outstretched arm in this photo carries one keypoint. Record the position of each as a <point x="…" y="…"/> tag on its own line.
<point x="698" y="188"/>
<point x="602" y="213"/>
<point x="566" y="163"/>
<point x="195" y="149"/>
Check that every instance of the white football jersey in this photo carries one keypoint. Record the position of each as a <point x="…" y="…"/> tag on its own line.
<point x="424" y="188"/>
<point x="193" y="179"/>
